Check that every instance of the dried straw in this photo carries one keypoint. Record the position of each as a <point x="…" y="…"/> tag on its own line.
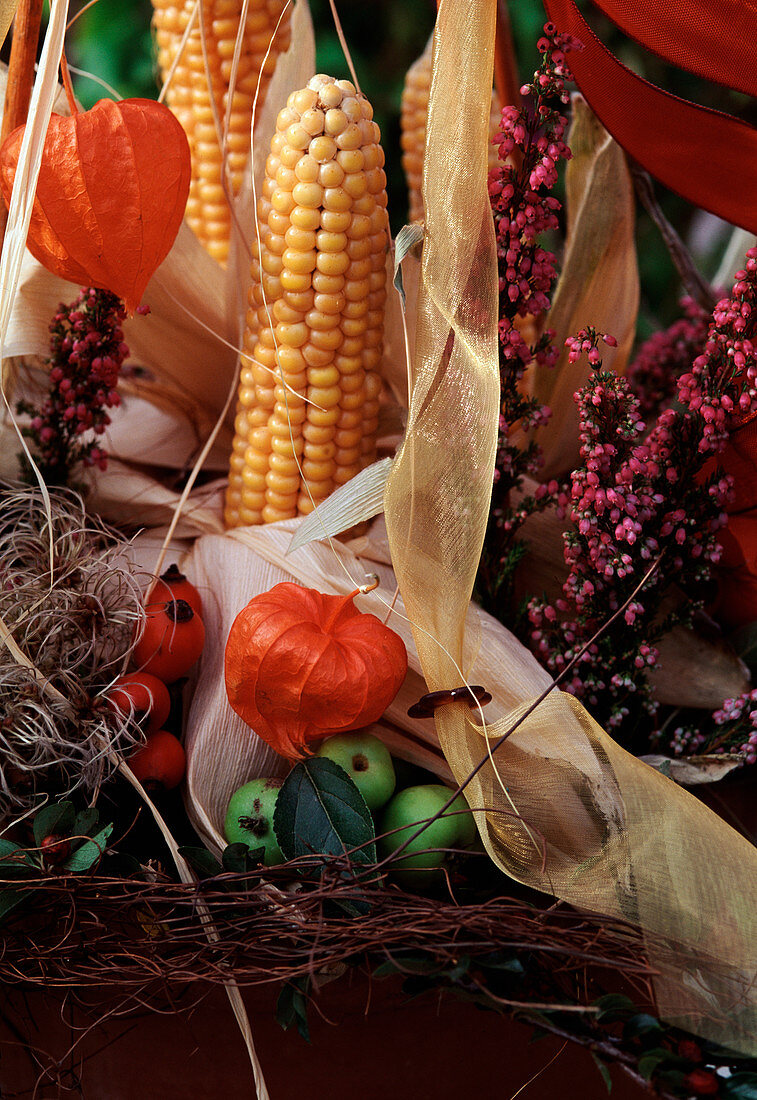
<point x="67" y="624"/>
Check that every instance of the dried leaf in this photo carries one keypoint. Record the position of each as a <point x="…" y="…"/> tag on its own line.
<point x="690" y="771"/>
<point x="132" y="498"/>
<point x="394" y="367"/>
<point x="7" y="11"/>
<point x="599" y="284"/>
<point x="543" y="569"/>
<point x="360" y="499"/>
<point x="407" y="240"/>
<point x="697" y="668"/>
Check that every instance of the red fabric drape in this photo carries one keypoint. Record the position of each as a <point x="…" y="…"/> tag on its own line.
<point x="708" y="37"/>
<point x="707" y="157"/>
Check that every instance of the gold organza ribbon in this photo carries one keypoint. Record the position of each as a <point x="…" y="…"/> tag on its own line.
<point x="7" y="11"/>
<point x="566" y="809"/>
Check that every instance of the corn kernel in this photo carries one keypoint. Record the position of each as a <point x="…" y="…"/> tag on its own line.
<point x="311" y="345"/>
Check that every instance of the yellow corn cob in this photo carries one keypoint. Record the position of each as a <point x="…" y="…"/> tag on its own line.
<point x="194" y="93"/>
<point x="309" y="387"/>
<point x="413" y="129"/>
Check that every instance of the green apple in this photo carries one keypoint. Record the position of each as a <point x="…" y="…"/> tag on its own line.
<point x="400" y="820"/>
<point x="367" y="761"/>
<point x="249" y="818"/>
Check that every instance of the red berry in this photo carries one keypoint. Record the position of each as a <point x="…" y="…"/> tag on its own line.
<point x="141" y="695"/>
<point x="160" y="762"/>
<point x="55" y="849"/>
<point x="173" y="585"/>
<point x="702" y="1082"/>
<point x="171" y="641"/>
<point x="687" y="1048"/>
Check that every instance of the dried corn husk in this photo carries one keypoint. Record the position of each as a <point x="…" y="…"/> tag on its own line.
<point x="692" y="771"/>
<point x="599" y="283"/>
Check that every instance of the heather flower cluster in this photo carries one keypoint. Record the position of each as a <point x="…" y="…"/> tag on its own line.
<point x="654" y="373"/>
<point x="642" y="500"/>
<point x="531" y="147"/>
<point x="734" y="730"/>
<point x="88" y="351"/>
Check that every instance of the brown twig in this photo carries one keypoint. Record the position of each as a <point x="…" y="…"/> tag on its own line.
<point x="23" y="56"/>
<point x="68" y="87"/>
<point x="696" y="285"/>
<point x="137" y="935"/>
<point x="18" y="90"/>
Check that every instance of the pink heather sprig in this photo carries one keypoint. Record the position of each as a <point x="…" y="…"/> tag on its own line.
<point x="531" y="146"/>
<point x="635" y="501"/>
<point x="733" y="730"/>
<point x="653" y="375"/>
<point x="88" y="351"/>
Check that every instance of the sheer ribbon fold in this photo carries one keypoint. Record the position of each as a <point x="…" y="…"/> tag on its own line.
<point x="560" y="806"/>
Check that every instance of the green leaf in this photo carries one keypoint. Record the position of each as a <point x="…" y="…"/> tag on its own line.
<point x="292" y="1006"/>
<point x="319" y="809"/>
<point x="89" y="853"/>
<point x="612" y="1007"/>
<point x="604" y="1071"/>
<point x="641" y="1024"/>
<point x="650" y="1061"/>
<point x="86" y="822"/>
<point x="740" y="1086"/>
<point x="355" y="906"/>
<point x="498" y="961"/>
<point x="238" y="858"/>
<point x="201" y="861"/>
<point x="16" y="862"/>
<point x="418" y="965"/>
<point x="9" y="899"/>
<point x="56" y="820"/>
<point x="460" y="969"/>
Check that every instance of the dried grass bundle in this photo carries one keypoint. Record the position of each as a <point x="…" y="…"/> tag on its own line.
<point x="68" y="604"/>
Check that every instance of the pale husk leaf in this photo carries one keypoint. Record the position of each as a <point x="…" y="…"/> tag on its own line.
<point x="599" y="283"/>
<point x="692" y="771"/>
<point x="43" y="97"/>
<point x="130" y="497"/>
<point x="394" y="367"/>
<point x="360" y="499"/>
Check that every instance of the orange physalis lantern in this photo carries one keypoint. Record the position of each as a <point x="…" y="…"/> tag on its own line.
<point x="111" y="194"/>
<point x="301" y="665"/>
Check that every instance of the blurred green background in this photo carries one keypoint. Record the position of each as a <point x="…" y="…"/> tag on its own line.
<point x="113" y="41"/>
